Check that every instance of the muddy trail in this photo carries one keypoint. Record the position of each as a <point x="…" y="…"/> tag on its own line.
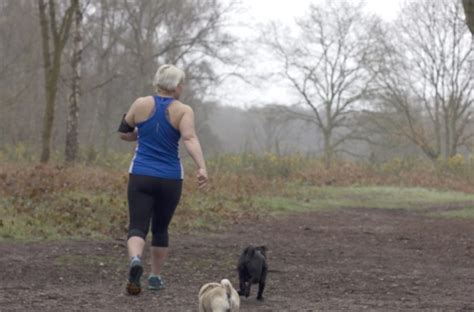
<point x="344" y="260"/>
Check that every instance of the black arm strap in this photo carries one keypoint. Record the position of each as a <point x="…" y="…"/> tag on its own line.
<point x="124" y="126"/>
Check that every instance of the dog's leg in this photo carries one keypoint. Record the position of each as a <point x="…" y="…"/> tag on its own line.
<point x="241" y="291"/>
<point x="261" y="287"/>
<point x="261" y="284"/>
<point x="247" y="289"/>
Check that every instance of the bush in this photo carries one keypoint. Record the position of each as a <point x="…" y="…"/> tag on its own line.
<point x="56" y="201"/>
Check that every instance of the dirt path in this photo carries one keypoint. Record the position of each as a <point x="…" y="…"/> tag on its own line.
<point x="348" y="260"/>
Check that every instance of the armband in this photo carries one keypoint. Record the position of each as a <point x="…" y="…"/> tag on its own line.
<point x="124" y="126"/>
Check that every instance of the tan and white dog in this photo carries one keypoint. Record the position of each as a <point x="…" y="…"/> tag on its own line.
<point x="215" y="297"/>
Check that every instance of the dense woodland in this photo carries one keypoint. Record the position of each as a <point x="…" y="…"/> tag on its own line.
<point x="365" y="88"/>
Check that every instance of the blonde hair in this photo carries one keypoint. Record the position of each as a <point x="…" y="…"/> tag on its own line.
<point x="168" y="77"/>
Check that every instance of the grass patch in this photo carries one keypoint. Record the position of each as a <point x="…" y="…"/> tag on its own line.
<point x="277" y="204"/>
<point x="79" y="214"/>
<point x="307" y="198"/>
<point x="466" y="213"/>
<point x="55" y="202"/>
<point x="62" y="215"/>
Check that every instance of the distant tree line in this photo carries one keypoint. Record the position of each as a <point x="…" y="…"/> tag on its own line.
<point x="366" y="88"/>
<point x="403" y="83"/>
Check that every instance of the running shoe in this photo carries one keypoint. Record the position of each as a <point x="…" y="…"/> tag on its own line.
<point x="155" y="282"/>
<point x="134" y="274"/>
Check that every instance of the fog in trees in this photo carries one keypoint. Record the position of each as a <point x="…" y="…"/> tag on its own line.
<point x="365" y="88"/>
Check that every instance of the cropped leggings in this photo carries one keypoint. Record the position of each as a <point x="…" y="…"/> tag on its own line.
<point x="152" y="199"/>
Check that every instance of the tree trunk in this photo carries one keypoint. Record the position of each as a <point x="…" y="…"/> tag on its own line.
<point x="447" y="133"/>
<point x="52" y="63"/>
<point x="453" y="139"/>
<point x="469" y="11"/>
<point x="327" y="148"/>
<point x="72" y="127"/>
<point x="47" y="122"/>
<point x="52" y="77"/>
<point x="48" y="119"/>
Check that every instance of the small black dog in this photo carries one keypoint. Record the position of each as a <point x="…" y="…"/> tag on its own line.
<point x="252" y="269"/>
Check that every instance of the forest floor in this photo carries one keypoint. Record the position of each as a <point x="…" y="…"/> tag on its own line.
<point x="339" y="260"/>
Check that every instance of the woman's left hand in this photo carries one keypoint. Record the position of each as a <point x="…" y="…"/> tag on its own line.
<point x="202" y="177"/>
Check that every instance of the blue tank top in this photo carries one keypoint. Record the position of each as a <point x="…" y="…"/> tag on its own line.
<point x="157" y="152"/>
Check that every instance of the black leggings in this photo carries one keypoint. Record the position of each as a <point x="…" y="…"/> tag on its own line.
<point x="155" y="199"/>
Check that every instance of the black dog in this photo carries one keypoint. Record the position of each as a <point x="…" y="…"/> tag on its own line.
<point x="252" y="269"/>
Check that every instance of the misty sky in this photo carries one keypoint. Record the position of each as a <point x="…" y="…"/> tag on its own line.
<point x="248" y="22"/>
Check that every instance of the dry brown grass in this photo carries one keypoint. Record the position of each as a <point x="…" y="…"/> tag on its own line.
<point x="57" y="201"/>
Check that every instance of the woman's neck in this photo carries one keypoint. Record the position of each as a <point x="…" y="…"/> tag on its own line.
<point x="165" y="94"/>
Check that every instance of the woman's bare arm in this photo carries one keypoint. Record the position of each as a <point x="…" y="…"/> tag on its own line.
<point x="130" y="136"/>
<point x="130" y="119"/>
<point x="191" y="142"/>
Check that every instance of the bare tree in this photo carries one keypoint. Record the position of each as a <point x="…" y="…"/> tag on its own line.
<point x="72" y="131"/>
<point x="125" y="42"/>
<point x="426" y="81"/>
<point x="102" y="35"/>
<point x="188" y="33"/>
<point x="327" y="66"/>
<point x="54" y="38"/>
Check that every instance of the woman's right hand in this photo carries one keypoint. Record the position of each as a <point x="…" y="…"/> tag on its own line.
<point x="202" y="177"/>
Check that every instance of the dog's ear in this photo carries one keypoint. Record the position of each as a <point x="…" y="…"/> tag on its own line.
<point x="248" y="250"/>
<point x="263" y="249"/>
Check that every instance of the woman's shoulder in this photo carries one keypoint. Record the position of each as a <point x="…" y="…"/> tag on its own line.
<point x="181" y="107"/>
<point x="179" y="110"/>
<point x="144" y="101"/>
<point x="143" y="104"/>
<point x="142" y="108"/>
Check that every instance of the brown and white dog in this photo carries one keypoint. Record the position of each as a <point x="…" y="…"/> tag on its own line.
<point x="218" y="297"/>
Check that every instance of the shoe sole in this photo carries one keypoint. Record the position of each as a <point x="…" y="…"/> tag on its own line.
<point x="133" y="286"/>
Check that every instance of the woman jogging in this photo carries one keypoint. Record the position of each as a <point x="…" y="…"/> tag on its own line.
<point x="156" y="174"/>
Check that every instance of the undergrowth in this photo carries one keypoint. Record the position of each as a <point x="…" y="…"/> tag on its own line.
<point x="56" y="202"/>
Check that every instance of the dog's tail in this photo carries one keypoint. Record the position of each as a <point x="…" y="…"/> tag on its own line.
<point x="227" y="286"/>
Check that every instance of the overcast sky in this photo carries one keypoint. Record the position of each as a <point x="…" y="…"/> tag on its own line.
<point x="247" y="24"/>
<point x="288" y="9"/>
